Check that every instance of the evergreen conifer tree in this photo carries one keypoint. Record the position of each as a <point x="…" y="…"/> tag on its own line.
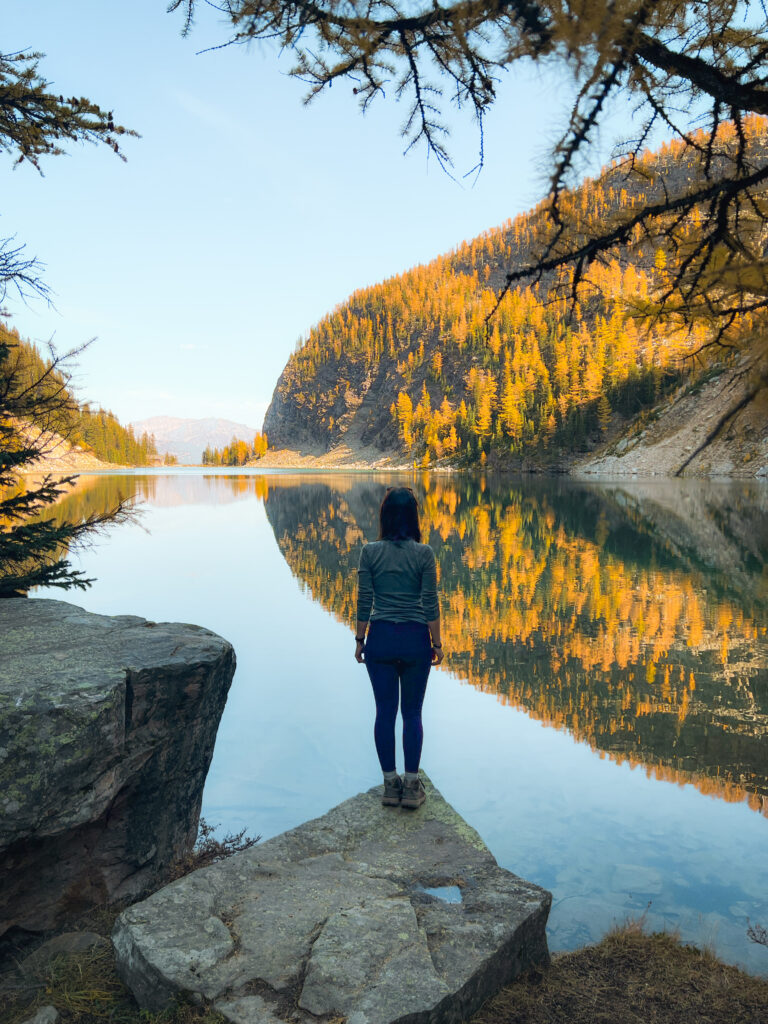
<point x="34" y="412"/>
<point x="35" y="402"/>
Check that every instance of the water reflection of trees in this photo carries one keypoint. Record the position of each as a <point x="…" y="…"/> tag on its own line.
<point x="574" y="605"/>
<point x="634" y="621"/>
<point x="94" y="493"/>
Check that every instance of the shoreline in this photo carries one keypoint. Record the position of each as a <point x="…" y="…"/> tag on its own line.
<point x="314" y="465"/>
<point x="590" y="467"/>
<point x="629" y="974"/>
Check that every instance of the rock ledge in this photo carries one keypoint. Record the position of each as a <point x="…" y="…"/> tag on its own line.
<point x="335" y="919"/>
<point x="107" y="728"/>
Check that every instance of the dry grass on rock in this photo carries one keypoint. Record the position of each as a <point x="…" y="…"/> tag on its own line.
<point x="85" y="987"/>
<point x="632" y="978"/>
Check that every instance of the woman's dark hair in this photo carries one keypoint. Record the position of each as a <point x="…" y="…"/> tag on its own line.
<point x="399" y="515"/>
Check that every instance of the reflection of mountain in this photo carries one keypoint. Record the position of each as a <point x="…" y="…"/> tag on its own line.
<point x="708" y="526"/>
<point x="198" y="489"/>
<point x="102" y="493"/>
<point x="161" y="490"/>
<point x="566" y="602"/>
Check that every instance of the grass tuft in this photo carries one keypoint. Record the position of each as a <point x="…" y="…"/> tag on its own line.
<point x="757" y="933"/>
<point x="82" y="986"/>
<point x="85" y="987"/>
<point x="632" y="978"/>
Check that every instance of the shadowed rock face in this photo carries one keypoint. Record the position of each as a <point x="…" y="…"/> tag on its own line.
<point x="335" y="919"/>
<point x="107" y="728"/>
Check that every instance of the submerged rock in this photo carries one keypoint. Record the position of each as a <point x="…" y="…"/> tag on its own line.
<point x="107" y="728"/>
<point x="342" y="917"/>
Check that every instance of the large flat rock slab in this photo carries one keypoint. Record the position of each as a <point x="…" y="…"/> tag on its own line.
<point x="107" y="728"/>
<point x="371" y="914"/>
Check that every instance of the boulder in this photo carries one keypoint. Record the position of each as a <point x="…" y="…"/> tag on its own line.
<point x="107" y="728"/>
<point x="370" y="914"/>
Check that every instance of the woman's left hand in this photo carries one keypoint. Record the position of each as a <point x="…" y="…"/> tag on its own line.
<point x="359" y="649"/>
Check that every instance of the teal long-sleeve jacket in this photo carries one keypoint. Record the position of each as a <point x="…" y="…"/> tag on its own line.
<point x="397" y="582"/>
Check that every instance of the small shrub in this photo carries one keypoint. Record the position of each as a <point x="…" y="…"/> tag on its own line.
<point x="209" y="850"/>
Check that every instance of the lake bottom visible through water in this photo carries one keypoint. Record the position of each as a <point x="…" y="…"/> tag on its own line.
<point x="602" y="715"/>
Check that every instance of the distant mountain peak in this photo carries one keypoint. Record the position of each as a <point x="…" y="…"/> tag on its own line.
<point x="187" y="438"/>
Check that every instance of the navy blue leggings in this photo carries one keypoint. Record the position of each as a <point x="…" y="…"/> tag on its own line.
<point x="398" y="656"/>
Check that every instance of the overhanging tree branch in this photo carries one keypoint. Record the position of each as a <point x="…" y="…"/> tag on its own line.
<point x="697" y="67"/>
<point x="705" y="76"/>
<point x="34" y="122"/>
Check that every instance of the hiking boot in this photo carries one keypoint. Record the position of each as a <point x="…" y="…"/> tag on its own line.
<point x="393" y="791"/>
<point x="414" y="793"/>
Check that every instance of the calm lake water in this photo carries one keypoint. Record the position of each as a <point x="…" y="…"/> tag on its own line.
<point x="602" y="714"/>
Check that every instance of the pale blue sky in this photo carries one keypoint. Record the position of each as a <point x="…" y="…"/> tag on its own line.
<point x="241" y="217"/>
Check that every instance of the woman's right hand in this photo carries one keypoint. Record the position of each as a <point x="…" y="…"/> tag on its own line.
<point x="437" y="655"/>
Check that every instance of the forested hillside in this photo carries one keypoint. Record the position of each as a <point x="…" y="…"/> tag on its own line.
<point x="95" y="430"/>
<point x="237" y="452"/>
<point x="418" y="365"/>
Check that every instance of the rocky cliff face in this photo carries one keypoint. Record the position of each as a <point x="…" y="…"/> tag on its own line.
<point x="107" y="729"/>
<point x="359" y="410"/>
<point x="716" y="428"/>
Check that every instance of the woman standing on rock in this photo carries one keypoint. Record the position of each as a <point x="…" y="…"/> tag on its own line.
<point x="397" y="593"/>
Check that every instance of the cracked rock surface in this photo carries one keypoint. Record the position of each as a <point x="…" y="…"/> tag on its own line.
<point x="334" y="919"/>
<point x="107" y="728"/>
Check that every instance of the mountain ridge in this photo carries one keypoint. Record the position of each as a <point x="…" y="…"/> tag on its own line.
<point x="431" y="368"/>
